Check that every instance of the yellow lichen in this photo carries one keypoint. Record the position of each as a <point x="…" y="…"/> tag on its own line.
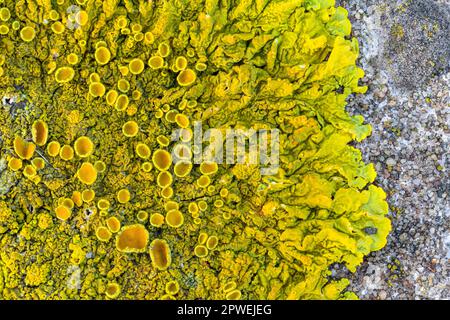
<point x="172" y="287"/>
<point x="167" y="192"/>
<point x="182" y="168"/>
<point x="123" y="195"/>
<point x="27" y="34"/>
<point x="113" y="224"/>
<point x="161" y="160"/>
<point x="103" y="234"/>
<point x="38" y="163"/>
<point x="29" y="171"/>
<point x="174" y="218"/>
<point x="66" y="152"/>
<point x="83" y="147"/>
<point x="130" y="129"/>
<point x="39" y="132"/>
<point x="164" y="179"/>
<point x="87" y="173"/>
<point x="102" y="55"/>
<point x="53" y="148"/>
<point x="200" y="251"/>
<point x="112" y="290"/>
<point x="156" y="62"/>
<point x="160" y="254"/>
<point x="97" y="89"/>
<point x="233" y="295"/>
<point x="111" y="97"/>
<point x="62" y="212"/>
<point x="15" y="164"/>
<point x="23" y="149"/>
<point x="136" y="66"/>
<point x="132" y="238"/>
<point x="88" y="195"/>
<point x="64" y="74"/>
<point x="143" y="151"/>
<point x="123" y="85"/>
<point x="156" y="220"/>
<point x="77" y="198"/>
<point x="186" y="77"/>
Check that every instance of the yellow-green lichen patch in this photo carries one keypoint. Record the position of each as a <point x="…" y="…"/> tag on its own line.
<point x="202" y="237"/>
<point x="66" y="152"/>
<point x="164" y="179"/>
<point x="88" y="195"/>
<point x="162" y="160"/>
<point x="156" y="220"/>
<point x="172" y="287"/>
<point x="233" y="295"/>
<point x="102" y="55"/>
<point x="62" y="212"/>
<point x="53" y="148"/>
<point x="103" y="234"/>
<point x="111" y="97"/>
<point x="123" y="85"/>
<point x="122" y="102"/>
<point x="212" y="242"/>
<point x="132" y="238"/>
<point x="87" y="173"/>
<point x="103" y="204"/>
<point x="130" y="129"/>
<point x="112" y="290"/>
<point x="174" y="218"/>
<point x="156" y="62"/>
<point x="15" y="164"/>
<point x="28" y="34"/>
<point x="136" y="66"/>
<point x="146" y="166"/>
<point x="143" y="151"/>
<point x="64" y="74"/>
<point x="38" y="163"/>
<point x="182" y="168"/>
<point x="160" y="254"/>
<point x="123" y="196"/>
<point x="181" y="63"/>
<point x="200" y="251"/>
<point x="39" y="132"/>
<point x="100" y="166"/>
<point x="142" y="216"/>
<point x="186" y="77"/>
<point x="97" y="89"/>
<point x="23" y="149"/>
<point x="113" y="224"/>
<point x="84" y="147"/>
<point x="90" y="68"/>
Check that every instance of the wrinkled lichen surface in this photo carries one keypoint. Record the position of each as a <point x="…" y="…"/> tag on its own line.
<point x="106" y="218"/>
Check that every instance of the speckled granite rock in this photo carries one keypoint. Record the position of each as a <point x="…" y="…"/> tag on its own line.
<point x="405" y="52"/>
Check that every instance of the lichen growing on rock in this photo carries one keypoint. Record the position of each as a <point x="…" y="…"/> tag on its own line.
<point x="142" y="70"/>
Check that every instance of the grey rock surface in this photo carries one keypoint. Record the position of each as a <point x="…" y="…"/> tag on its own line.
<point x="405" y="51"/>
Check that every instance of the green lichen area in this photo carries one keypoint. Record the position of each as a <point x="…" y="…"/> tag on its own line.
<point x="91" y="206"/>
